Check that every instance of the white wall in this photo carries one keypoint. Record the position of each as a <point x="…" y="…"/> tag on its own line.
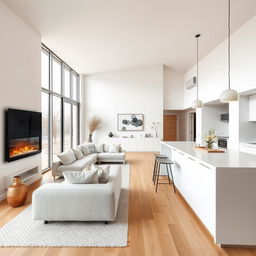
<point x="247" y="130"/>
<point x="233" y="142"/>
<point x="213" y="74"/>
<point x="131" y="91"/>
<point x="173" y="89"/>
<point x="213" y="68"/>
<point x="20" y="49"/>
<point x="211" y="119"/>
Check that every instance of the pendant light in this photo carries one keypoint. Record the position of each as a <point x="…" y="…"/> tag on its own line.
<point x="197" y="103"/>
<point x="229" y="94"/>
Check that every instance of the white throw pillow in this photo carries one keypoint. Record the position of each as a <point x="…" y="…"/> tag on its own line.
<point x="99" y="148"/>
<point x="114" y="148"/>
<point x="84" y="177"/>
<point x="103" y="173"/>
<point x="91" y="147"/>
<point x="85" y="150"/>
<point x="67" y="157"/>
<point x="78" y="153"/>
<point x="105" y="147"/>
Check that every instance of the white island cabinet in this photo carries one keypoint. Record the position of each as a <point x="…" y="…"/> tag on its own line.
<point x="220" y="188"/>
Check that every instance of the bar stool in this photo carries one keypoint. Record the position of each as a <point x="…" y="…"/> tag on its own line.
<point x="168" y="163"/>
<point x="155" y="165"/>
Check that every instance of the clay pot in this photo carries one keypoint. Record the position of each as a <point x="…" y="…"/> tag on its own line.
<point x="17" y="192"/>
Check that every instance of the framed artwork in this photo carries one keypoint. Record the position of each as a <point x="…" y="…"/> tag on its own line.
<point x="130" y="122"/>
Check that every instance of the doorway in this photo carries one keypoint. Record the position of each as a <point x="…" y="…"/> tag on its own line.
<point x="170" y="127"/>
<point x="192" y="126"/>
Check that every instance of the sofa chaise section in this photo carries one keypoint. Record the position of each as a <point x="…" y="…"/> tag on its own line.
<point x="78" y="202"/>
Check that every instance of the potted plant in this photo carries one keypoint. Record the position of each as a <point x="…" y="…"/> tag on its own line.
<point x="94" y="124"/>
<point x="210" y="138"/>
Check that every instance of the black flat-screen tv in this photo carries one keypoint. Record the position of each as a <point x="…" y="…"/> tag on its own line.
<point x="23" y="134"/>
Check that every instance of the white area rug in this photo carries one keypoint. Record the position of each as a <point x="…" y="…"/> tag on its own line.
<point x="23" y="231"/>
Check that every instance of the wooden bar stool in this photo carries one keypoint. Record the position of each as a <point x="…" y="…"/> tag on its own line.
<point x="155" y="165"/>
<point x="168" y="163"/>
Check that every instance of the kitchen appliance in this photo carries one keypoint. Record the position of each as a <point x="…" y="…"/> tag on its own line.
<point x="222" y="142"/>
<point x="224" y="117"/>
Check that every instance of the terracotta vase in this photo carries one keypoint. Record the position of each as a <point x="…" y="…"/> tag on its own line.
<point x="17" y="192"/>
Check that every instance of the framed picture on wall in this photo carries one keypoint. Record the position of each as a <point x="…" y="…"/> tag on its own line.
<point x="130" y="122"/>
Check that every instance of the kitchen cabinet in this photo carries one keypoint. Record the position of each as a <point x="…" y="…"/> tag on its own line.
<point x="137" y="144"/>
<point x="220" y="188"/>
<point x="252" y="108"/>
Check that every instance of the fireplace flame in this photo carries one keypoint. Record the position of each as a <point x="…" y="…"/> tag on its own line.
<point x="21" y="150"/>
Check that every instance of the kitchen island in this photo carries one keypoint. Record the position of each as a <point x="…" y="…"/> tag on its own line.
<point x="220" y="188"/>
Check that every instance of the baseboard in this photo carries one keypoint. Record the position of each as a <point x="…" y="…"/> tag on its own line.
<point x="2" y="196"/>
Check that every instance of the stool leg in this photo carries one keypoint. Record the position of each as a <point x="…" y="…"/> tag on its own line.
<point x="157" y="175"/>
<point x="154" y="171"/>
<point x="172" y="180"/>
<point x="168" y="174"/>
<point x="157" y="165"/>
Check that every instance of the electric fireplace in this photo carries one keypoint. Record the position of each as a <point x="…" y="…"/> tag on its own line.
<point x="23" y="134"/>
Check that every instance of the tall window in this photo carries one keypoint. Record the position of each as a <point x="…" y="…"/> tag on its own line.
<point x="60" y="106"/>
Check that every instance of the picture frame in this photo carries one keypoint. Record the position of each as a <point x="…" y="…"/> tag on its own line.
<point x="130" y="122"/>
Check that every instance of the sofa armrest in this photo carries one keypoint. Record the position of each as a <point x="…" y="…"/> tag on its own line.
<point x="55" y="166"/>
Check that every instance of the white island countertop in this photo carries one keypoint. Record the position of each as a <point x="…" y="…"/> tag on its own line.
<point x="219" y="187"/>
<point x="229" y="159"/>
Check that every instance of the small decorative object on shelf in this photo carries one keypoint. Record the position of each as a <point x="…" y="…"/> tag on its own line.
<point x="94" y="124"/>
<point x="17" y="192"/>
<point x="155" y="127"/>
<point x="210" y="138"/>
<point x="110" y="135"/>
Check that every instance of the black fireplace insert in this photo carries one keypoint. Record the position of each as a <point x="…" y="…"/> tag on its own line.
<point x="23" y="133"/>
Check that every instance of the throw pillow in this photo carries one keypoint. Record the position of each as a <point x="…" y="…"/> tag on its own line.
<point x="105" y="147"/>
<point x="91" y="147"/>
<point x="103" y="173"/>
<point x="78" y="153"/>
<point x="85" y="150"/>
<point x="99" y="148"/>
<point x="67" y="157"/>
<point x="114" y="148"/>
<point x="84" y="177"/>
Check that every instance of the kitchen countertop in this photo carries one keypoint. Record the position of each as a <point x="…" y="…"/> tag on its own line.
<point x="229" y="159"/>
<point x="248" y="144"/>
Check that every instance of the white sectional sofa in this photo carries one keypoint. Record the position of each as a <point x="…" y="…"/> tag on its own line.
<point x="78" y="202"/>
<point x="99" y="154"/>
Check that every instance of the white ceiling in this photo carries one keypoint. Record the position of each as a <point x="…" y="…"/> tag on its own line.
<point x="105" y="35"/>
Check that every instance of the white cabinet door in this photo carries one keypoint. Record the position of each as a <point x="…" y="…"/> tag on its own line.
<point x="196" y="182"/>
<point x="252" y="108"/>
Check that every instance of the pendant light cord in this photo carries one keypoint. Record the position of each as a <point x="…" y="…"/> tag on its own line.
<point x="229" y="44"/>
<point x="197" y="36"/>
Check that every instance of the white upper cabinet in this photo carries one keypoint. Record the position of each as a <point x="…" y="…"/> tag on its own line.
<point x="252" y="108"/>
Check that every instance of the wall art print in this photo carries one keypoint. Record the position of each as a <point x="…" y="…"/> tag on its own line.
<point x="130" y="122"/>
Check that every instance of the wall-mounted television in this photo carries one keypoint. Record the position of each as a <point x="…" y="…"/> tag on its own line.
<point x="23" y="134"/>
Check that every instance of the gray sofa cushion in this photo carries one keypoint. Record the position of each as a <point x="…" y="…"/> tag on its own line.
<point x="79" y="165"/>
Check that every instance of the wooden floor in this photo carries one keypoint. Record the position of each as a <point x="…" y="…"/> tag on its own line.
<point x="159" y="223"/>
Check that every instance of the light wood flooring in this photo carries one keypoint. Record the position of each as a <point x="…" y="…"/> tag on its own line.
<point x="159" y="223"/>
